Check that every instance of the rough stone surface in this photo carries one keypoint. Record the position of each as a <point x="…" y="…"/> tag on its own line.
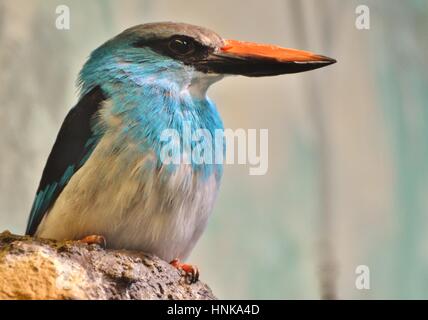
<point x="33" y="268"/>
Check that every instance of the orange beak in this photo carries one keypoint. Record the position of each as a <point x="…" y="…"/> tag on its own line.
<point x="256" y="60"/>
<point x="256" y="50"/>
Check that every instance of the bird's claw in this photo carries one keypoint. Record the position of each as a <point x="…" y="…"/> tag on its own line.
<point x="191" y="271"/>
<point x="95" y="239"/>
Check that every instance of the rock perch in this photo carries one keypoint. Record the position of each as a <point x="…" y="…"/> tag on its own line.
<point x="33" y="268"/>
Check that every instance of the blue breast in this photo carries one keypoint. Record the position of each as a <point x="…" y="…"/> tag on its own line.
<point x="146" y="111"/>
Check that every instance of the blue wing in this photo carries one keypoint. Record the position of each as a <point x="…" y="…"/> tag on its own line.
<point x="74" y="144"/>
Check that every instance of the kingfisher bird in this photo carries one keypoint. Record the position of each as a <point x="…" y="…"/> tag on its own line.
<point x="105" y="179"/>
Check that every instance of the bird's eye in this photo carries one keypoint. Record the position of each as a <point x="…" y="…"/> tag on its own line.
<point x="181" y="46"/>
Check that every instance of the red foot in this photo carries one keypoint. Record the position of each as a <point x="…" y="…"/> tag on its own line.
<point x="95" y="239"/>
<point x="191" y="271"/>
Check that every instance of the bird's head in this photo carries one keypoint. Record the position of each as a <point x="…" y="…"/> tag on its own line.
<point x="180" y="56"/>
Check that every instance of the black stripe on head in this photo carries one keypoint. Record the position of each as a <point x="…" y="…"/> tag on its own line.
<point x="179" y="47"/>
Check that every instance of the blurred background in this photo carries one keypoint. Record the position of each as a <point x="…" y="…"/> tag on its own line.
<point x="347" y="183"/>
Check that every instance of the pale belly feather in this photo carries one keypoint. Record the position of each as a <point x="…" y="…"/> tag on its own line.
<point x="123" y="197"/>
